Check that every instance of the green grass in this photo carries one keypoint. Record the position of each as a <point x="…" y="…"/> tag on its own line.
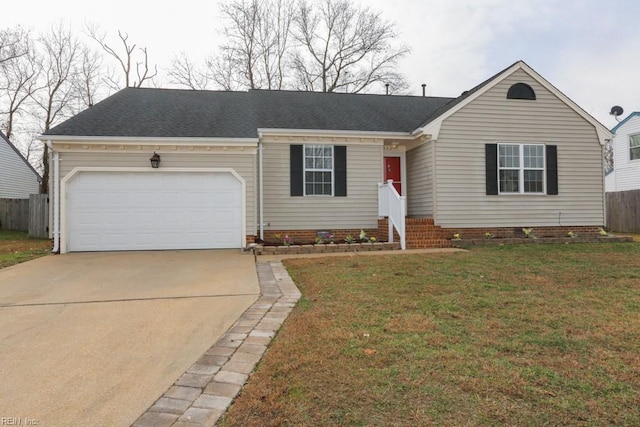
<point x="13" y="235"/>
<point x="515" y="335"/>
<point x="17" y="247"/>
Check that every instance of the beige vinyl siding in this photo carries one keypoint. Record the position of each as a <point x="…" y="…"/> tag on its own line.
<point x="243" y="164"/>
<point x="490" y="119"/>
<point x="627" y="172"/>
<point x="358" y="210"/>
<point x="420" y="176"/>
<point x="17" y="179"/>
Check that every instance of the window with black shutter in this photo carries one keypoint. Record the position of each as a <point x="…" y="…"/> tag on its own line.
<point x="521" y="169"/>
<point x="318" y="170"/>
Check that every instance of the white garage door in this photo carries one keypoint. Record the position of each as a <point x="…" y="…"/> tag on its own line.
<point x="111" y="211"/>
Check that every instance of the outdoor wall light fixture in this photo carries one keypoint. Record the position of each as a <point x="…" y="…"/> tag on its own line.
<point x="155" y="160"/>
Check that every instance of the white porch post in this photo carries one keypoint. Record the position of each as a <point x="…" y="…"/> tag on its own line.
<point x="389" y="221"/>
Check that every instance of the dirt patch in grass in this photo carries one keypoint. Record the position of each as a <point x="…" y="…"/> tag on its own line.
<point x="515" y="335"/>
<point x="16" y="247"/>
<point x="635" y="237"/>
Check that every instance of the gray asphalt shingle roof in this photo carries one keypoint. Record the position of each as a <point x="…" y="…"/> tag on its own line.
<point x="164" y="113"/>
<point x="342" y="111"/>
<point x="145" y="112"/>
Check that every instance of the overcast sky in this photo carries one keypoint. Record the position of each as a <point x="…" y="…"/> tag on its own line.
<point x="589" y="49"/>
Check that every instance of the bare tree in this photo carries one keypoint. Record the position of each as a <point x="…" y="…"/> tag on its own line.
<point x="42" y="82"/>
<point x="184" y="72"/>
<point x="608" y="156"/>
<point x="274" y="31"/>
<point x="13" y="43"/>
<point x="132" y="62"/>
<point x="257" y="43"/>
<point x="224" y="71"/>
<point x="88" y="76"/>
<point x="324" y="45"/>
<point x="32" y="149"/>
<point x="241" y="50"/>
<point x="18" y="82"/>
<point x="344" y="48"/>
<point x="58" y="98"/>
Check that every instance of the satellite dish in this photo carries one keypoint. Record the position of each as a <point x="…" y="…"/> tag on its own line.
<point x="616" y="110"/>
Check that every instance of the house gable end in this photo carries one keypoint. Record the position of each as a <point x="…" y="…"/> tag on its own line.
<point x="622" y="123"/>
<point x="627" y="168"/>
<point x="433" y="124"/>
<point x="570" y="188"/>
<point x="18" y="179"/>
<point x="20" y="156"/>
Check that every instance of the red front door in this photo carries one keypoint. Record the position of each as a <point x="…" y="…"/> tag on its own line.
<point x="392" y="171"/>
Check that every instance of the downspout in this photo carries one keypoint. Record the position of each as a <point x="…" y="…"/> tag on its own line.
<point x="604" y="188"/>
<point x="261" y="188"/>
<point x="56" y="198"/>
<point x="434" y="186"/>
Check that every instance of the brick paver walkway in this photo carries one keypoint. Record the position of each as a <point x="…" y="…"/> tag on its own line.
<point x="204" y="392"/>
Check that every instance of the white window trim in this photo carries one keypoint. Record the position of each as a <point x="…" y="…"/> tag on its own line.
<point x="629" y="145"/>
<point x="521" y="169"/>
<point x="305" y="170"/>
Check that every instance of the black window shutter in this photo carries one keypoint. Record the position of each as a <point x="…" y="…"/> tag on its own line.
<point x="491" y="165"/>
<point x="296" y="170"/>
<point x="340" y="170"/>
<point x="552" y="169"/>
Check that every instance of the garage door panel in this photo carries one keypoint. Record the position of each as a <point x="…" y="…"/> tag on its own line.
<point x="118" y="218"/>
<point x="145" y="211"/>
<point x="113" y="197"/>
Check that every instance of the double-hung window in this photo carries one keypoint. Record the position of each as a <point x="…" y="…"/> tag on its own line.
<point x="634" y="147"/>
<point x="318" y="170"/>
<point x="521" y="168"/>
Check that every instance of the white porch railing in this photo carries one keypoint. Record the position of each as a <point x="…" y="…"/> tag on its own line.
<point x="393" y="206"/>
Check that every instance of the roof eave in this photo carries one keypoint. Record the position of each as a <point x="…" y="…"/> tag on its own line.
<point x="623" y="121"/>
<point x="156" y="140"/>
<point x="334" y="133"/>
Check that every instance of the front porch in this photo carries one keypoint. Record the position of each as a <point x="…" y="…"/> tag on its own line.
<point x="396" y="226"/>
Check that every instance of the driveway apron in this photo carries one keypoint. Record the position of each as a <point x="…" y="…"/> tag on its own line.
<point x="96" y="338"/>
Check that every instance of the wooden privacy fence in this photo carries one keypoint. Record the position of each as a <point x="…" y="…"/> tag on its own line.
<point x="30" y="215"/>
<point x="14" y="214"/>
<point x="623" y="211"/>
<point x="39" y="216"/>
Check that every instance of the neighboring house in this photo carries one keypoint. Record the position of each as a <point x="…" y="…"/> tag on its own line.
<point x="626" y="155"/>
<point x="18" y="178"/>
<point x="512" y="152"/>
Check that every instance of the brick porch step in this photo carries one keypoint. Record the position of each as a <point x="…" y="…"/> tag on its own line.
<point x="421" y="233"/>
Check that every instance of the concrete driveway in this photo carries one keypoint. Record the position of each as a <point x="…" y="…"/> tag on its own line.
<point x="96" y="338"/>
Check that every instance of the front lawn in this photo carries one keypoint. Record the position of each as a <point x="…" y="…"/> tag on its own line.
<point x="17" y="247"/>
<point x="504" y="335"/>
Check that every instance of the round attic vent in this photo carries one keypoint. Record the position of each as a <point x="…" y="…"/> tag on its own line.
<point x="521" y="91"/>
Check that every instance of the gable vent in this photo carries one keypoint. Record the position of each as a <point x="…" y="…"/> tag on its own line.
<point x="521" y="91"/>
